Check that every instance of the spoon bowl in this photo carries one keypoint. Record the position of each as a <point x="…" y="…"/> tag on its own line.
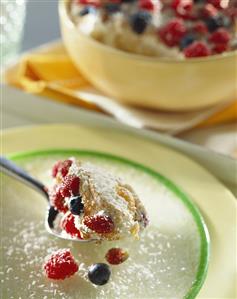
<point x="52" y="215"/>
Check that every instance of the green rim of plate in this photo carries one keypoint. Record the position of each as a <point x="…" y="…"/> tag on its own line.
<point x="202" y="228"/>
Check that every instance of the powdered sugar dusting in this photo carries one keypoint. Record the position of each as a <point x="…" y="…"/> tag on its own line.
<point x="162" y="264"/>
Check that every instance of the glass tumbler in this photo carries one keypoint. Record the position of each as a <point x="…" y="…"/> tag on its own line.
<point x="12" y="16"/>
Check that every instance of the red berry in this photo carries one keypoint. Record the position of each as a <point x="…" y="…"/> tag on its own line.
<point x="208" y="11"/>
<point x="57" y="200"/>
<point x="61" y="167"/>
<point x="183" y="8"/>
<point x="101" y="224"/>
<point x="219" y="48"/>
<point x="216" y="3"/>
<point x="116" y="256"/>
<point x="200" y="27"/>
<point x="220" y="36"/>
<point x="68" y="225"/>
<point x="197" y="49"/>
<point x="146" y="4"/>
<point x="60" y="265"/>
<point x="70" y="186"/>
<point x="95" y="3"/>
<point x="172" y="32"/>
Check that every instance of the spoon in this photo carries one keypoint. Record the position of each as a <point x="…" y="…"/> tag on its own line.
<point x="12" y="170"/>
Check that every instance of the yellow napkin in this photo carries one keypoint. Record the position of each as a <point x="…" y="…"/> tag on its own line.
<point x="49" y="72"/>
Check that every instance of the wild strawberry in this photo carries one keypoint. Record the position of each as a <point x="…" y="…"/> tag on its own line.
<point x="57" y="200"/>
<point x="146" y="4"/>
<point x="60" y="265"/>
<point x="116" y="256"/>
<point x="197" y="49"/>
<point x="61" y="167"/>
<point x="101" y="224"/>
<point x="68" y="225"/>
<point x="173" y="32"/>
<point x="70" y="186"/>
<point x="220" y="36"/>
<point x="217" y="3"/>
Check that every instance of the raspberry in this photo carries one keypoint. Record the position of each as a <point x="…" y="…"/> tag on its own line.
<point x="57" y="200"/>
<point x="146" y="4"/>
<point x="183" y="8"/>
<point x="116" y="256"/>
<point x="216" y="3"/>
<point x="208" y="11"/>
<point x="60" y="265"/>
<point x="95" y="3"/>
<point x="70" y="186"/>
<point x="220" y="36"/>
<point x="200" y="28"/>
<point x="68" y="225"/>
<point x="61" y="167"/>
<point x="101" y="224"/>
<point x="197" y="49"/>
<point x="172" y="33"/>
<point x="219" y="48"/>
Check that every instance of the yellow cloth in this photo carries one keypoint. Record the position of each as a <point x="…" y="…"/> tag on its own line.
<point x="50" y="73"/>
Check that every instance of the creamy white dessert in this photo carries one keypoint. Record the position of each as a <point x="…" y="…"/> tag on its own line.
<point x="101" y="205"/>
<point x="168" y="28"/>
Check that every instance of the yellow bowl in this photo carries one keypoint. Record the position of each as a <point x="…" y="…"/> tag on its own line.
<point x="151" y="82"/>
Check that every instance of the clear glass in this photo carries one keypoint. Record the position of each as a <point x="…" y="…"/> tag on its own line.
<point x="12" y="16"/>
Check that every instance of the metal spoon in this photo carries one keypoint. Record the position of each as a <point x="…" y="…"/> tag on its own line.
<point x="12" y="170"/>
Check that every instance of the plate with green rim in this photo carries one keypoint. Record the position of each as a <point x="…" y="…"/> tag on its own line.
<point x="214" y="200"/>
<point x="184" y="273"/>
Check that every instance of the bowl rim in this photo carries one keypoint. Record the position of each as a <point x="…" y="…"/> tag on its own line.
<point x="167" y="60"/>
<point x="202" y="229"/>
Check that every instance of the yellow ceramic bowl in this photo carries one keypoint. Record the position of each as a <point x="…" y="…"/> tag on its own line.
<point x="151" y="82"/>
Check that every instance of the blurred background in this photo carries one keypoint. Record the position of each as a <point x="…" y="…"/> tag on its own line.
<point x="41" y="24"/>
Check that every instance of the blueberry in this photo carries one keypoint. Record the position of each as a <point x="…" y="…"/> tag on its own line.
<point x="186" y="41"/>
<point x="87" y="10"/>
<point x="99" y="274"/>
<point x="139" y="21"/>
<point x="112" y="7"/>
<point x="215" y="22"/>
<point x="76" y="206"/>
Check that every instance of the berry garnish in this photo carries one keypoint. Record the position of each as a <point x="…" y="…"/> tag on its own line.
<point x="146" y="4"/>
<point x="208" y="11"/>
<point x="215" y="22"/>
<point x="200" y="28"/>
<point x="61" y="167"/>
<point x="68" y="225"/>
<point x="99" y="274"/>
<point x="116" y="256"/>
<point x="197" y="49"/>
<point x="220" y="36"/>
<point x="183" y="8"/>
<point x="112" y="7"/>
<point x="60" y="265"/>
<point x="172" y="33"/>
<point x="57" y="201"/>
<point x="87" y="10"/>
<point x="217" y="3"/>
<point x="139" y="21"/>
<point x="101" y="224"/>
<point x="70" y="186"/>
<point x="219" y="48"/>
<point x="76" y="206"/>
<point x="186" y="41"/>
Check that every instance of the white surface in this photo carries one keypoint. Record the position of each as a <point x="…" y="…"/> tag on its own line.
<point x="20" y="109"/>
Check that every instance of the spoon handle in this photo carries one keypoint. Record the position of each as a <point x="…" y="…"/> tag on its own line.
<point x="12" y="170"/>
